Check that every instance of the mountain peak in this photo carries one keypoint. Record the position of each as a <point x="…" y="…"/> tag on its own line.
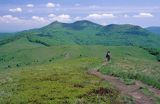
<point x="85" y="22"/>
<point x="55" y="22"/>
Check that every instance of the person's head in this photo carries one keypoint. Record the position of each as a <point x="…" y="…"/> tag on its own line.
<point x="108" y="51"/>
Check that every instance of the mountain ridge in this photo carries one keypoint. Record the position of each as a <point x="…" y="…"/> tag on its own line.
<point x="154" y="29"/>
<point x="85" y="32"/>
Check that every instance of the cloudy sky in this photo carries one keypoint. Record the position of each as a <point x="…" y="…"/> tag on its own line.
<point x="16" y="15"/>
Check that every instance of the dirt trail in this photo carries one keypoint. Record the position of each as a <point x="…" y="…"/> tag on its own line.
<point x="131" y="90"/>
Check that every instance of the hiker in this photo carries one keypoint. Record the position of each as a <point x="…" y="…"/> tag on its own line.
<point x="108" y="56"/>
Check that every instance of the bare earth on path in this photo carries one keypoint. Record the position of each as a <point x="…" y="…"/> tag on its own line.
<point x="131" y="90"/>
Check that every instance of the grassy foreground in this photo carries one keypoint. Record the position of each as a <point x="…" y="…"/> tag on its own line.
<point x="62" y="82"/>
<point x="31" y="73"/>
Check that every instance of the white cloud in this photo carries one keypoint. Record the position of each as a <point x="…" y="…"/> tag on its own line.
<point x="77" y="18"/>
<point x="103" y="19"/>
<point x="64" y="16"/>
<point x="30" y="5"/>
<point x="18" y="24"/>
<point x="39" y="19"/>
<point x="141" y="15"/>
<point x="16" y="10"/>
<point x="50" y="5"/>
<point x="35" y="20"/>
<point x="100" y="16"/>
<point x="61" y="18"/>
<point x="10" y="19"/>
<point x="51" y="15"/>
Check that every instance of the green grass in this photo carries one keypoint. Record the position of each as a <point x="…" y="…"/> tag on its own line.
<point x="48" y="65"/>
<point x="11" y="54"/>
<point x="57" y="74"/>
<point x="128" y="63"/>
<point x="147" y="92"/>
<point x="128" y="100"/>
<point x="127" y="81"/>
<point x="133" y="64"/>
<point x="87" y="33"/>
<point x="62" y="82"/>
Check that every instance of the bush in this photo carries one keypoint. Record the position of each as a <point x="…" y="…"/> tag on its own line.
<point x="158" y="57"/>
<point x="9" y="66"/>
<point x="154" y="52"/>
<point x="18" y="65"/>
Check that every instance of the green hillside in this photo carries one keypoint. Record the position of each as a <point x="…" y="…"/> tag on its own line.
<point x="34" y="54"/>
<point x="49" y="65"/>
<point x="62" y="81"/>
<point x="38" y="74"/>
<point x="154" y="29"/>
<point x="88" y="33"/>
<point x="4" y="36"/>
<point x="59" y="76"/>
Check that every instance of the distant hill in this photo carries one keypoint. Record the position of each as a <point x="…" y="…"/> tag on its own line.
<point x="155" y="30"/>
<point x="88" y="33"/>
<point x="5" y="35"/>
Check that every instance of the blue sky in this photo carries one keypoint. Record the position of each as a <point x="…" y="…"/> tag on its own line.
<point x="17" y="15"/>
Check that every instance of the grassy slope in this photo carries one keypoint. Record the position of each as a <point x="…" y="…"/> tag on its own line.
<point x="133" y="63"/>
<point x="5" y="35"/>
<point x="63" y="80"/>
<point x="41" y="70"/>
<point x="88" y="33"/>
<point x="12" y="53"/>
<point x="92" y="36"/>
<point x="136" y="62"/>
<point x="155" y="30"/>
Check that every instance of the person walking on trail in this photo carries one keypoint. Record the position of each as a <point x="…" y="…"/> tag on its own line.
<point x="108" y="56"/>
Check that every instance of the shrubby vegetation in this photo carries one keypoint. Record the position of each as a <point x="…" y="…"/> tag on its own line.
<point x="154" y="52"/>
<point x="37" y="41"/>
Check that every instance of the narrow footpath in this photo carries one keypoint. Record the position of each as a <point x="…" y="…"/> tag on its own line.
<point x="131" y="90"/>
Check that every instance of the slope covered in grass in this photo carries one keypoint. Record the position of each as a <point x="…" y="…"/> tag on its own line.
<point x="154" y="29"/>
<point x="88" y="33"/>
<point x="4" y="36"/>
<point x="127" y="62"/>
<point x="131" y="64"/>
<point x="61" y="82"/>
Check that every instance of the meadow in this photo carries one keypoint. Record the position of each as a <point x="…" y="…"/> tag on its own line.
<point x="131" y="64"/>
<point x="62" y="82"/>
<point x="33" y="73"/>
